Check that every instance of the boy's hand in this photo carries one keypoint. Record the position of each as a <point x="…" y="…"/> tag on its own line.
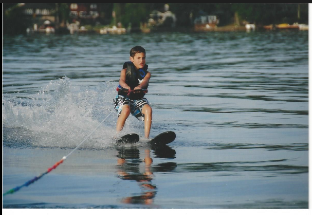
<point x="129" y="92"/>
<point x="137" y="88"/>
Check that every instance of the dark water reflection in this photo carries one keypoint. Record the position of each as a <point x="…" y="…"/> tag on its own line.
<point x="128" y="168"/>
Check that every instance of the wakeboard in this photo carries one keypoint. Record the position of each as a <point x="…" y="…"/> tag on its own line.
<point x="162" y="138"/>
<point x="128" y="138"/>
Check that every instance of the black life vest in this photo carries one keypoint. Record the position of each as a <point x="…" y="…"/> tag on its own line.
<point x="133" y="78"/>
<point x="133" y="75"/>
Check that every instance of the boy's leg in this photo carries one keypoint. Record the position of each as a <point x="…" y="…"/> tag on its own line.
<point x="122" y="117"/>
<point x="142" y="111"/>
<point x="123" y="109"/>
<point x="147" y="112"/>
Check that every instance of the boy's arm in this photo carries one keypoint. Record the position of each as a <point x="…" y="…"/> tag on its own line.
<point x="144" y="82"/>
<point x="122" y="80"/>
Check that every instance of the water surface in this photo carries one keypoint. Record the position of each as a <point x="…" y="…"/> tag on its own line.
<point x="237" y="101"/>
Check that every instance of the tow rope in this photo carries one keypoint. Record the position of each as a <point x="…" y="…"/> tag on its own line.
<point x="13" y="190"/>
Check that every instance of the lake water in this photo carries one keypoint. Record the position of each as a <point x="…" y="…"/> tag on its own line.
<point x="237" y="101"/>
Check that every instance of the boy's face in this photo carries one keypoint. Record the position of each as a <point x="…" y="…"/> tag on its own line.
<point x="138" y="60"/>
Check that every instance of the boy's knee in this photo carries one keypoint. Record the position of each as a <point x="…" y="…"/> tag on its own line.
<point x="148" y="110"/>
<point x="125" y="110"/>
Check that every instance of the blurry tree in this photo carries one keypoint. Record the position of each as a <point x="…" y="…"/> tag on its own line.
<point x="184" y="13"/>
<point x="254" y="12"/>
<point x="14" y="21"/>
<point x="303" y="13"/>
<point x="225" y="13"/>
<point x="116" y="13"/>
<point x="105" y="10"/>
<point x="131" y="14"/>
<point x="288" y="12"/>
<point x="271" y="13"/>
<point x="63" y="13"/>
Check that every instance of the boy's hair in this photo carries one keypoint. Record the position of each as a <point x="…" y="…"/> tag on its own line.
<point x="137" y="49"/>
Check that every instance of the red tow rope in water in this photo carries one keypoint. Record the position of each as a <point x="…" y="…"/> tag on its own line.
<point x="13" y="190"/>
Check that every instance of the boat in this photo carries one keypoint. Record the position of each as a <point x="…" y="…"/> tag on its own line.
<point x="287" y="26"/>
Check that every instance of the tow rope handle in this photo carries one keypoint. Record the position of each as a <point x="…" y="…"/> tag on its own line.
<point x="119" y="88"/>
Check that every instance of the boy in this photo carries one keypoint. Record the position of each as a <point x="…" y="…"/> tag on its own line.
<point x="133" y="83"/>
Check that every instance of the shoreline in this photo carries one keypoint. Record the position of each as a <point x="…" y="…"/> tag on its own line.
<point x="195" y="29"/>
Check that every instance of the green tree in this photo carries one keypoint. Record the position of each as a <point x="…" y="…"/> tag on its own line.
<point x="134" y="13"/>
<point x="225" y="13"/>
<point x="271" y="13"/>
<point x="184" y="13"/>
<point x="63" y="12"/>
<point x="105" y="10"/>
<point x="14" y="21"/>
